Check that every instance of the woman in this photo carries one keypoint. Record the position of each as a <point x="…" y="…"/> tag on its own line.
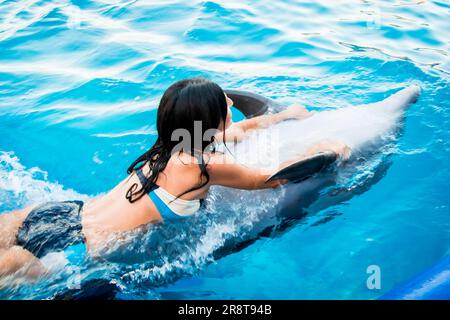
<point x="167" y="182"/>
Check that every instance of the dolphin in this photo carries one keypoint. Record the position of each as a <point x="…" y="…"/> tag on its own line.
<point x="233" y="218"/>
<point x="369" y="130"/>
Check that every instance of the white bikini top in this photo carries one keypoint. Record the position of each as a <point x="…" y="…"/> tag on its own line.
<point x="179" y="206"/>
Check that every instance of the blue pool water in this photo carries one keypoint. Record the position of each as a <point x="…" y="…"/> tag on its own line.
<point x="79" y="86"/>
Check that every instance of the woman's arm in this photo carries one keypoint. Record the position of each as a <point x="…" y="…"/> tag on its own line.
<point x="237" y="131"/>
<point x="266" y="120"/>
<point x="225" y="171"/>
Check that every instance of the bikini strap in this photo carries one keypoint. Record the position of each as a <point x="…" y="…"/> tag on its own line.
<point x="143" y="180"/>
<point x="201" y="161"/>
<point x="202" y="165"/>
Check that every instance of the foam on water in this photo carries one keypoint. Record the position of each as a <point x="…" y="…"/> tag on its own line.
<point x="20" y="187"/>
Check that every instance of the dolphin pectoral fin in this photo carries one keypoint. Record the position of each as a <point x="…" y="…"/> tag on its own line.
<point x="305" y="168"/>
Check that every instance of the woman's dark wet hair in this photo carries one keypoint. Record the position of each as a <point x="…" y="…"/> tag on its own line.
<point x="181" y="105"/>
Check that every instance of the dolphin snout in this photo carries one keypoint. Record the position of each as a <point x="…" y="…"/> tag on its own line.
<point x="403" y="98"/>
<point x="415" y="92"/>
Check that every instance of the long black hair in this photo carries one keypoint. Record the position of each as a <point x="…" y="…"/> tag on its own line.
<point x="183" y="104"/>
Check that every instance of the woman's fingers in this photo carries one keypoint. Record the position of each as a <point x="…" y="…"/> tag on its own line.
<point x="346" y="153"/>
<point x="336" y="146"/>
<point x="343" y="150"/>
<point x="297" y="112"/>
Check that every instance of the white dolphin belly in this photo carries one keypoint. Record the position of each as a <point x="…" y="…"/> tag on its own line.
<point x="356" y="126"/>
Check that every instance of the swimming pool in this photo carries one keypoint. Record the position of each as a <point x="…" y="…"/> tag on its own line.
<point x="80" y="82"/>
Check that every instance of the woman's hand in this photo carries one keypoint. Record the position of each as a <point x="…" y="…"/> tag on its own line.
<point x="341" y="149"/>
<point x="296" y="111"/>
<point x="237" y="131"/>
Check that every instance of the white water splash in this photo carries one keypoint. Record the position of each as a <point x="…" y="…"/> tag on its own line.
<point x="21" y="186"/>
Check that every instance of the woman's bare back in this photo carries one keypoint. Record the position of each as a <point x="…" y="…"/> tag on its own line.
<point x="112" y="212"/>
